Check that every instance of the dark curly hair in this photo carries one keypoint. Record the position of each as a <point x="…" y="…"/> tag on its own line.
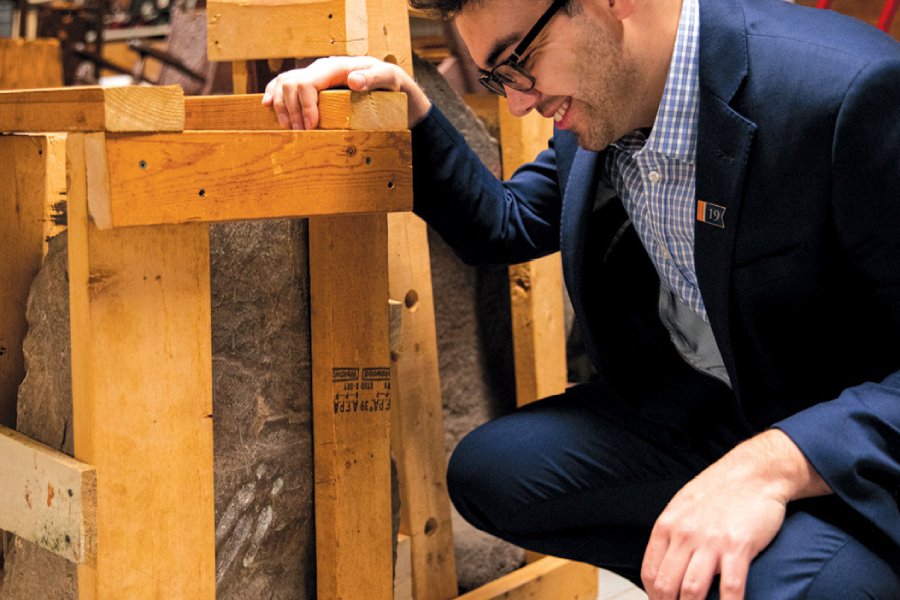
<point x="444" y="9"/>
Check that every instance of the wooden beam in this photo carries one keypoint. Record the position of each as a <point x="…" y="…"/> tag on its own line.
<point x="32" y="208"/>
<point x="418" y="426"/>
<point x="47" y="497"/>
<point x="352" y="403"/>
<point x="241" y="30"/>
<point x="388" y="30"/>
<point x="338" y="109"/>
<point x="549" y="578"/>
<point x="133" y="108"/>
<point x="28" y="64"/>
<point x="536" y="287"/>
<point x="142" y="400"/>
<point x="225" y="176"/>
<point x="352" y="396"/>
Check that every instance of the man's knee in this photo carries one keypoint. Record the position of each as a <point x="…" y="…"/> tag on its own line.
<point x="474" y="481"/>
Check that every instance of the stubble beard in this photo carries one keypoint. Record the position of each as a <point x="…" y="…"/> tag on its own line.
<point x="608" y="83"/>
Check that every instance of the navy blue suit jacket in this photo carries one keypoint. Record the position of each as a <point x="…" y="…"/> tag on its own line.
<point x="799" y="141"/>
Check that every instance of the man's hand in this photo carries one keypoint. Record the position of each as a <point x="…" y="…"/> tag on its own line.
<point x="723" y="518"/>
<point x="295" y="94"/>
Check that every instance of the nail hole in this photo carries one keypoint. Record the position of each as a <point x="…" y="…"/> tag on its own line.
<point x="431" y="526"/>
<point x="202" y="193"/>
<point x="68" y="539"/>
<point x="368" y="160"/>
<point x="350" y="151"/>
<point x="71" y="493"/>
<point x="330" y="16"/>
<point x="143" y="164"/>
<point x="390" y="185"/>
<point x="40" y="152"/>
<point x="411" y="300"/>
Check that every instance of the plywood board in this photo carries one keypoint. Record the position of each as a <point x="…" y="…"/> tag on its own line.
<point x="225" y="176"/>
<point x="142" y="400"/>
<point x="241" y="30"/>
<point x="47" y="497"/>
<point x="133" y="108"/>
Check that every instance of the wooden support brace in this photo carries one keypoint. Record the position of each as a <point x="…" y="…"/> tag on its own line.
<point x="32" y="209"/>
<point x="225" y="176"/>
<point x="536" y="287"/>
<point x="240" y="30"/>
<point x="352" y="404"/>
<point x="549" y="578"/>
<point x="142" y="399"/>
<point x="338" y="109"/>
<point x="418" y="433"/>
<point x="47" y="497"/>
<point x="134" y="108"/>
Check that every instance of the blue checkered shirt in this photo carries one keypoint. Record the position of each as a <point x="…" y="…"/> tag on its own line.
<point x="655" y="176"/>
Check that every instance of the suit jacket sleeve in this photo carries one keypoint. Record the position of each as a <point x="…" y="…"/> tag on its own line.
<point x="853" y="442"/>
<point x="483" y="220"/>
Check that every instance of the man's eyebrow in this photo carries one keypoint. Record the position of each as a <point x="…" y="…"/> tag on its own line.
<point x="500" y="47"/>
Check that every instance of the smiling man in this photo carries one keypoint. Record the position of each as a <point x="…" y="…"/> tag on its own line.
<point x="724" y="185"/>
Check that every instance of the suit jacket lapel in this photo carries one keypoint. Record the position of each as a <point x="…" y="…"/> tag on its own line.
<point x="723" y="147"/>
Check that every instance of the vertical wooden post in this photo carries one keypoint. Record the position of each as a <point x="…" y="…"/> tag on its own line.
<point x="351" y="406"/>
<point x="418" y="436"/>
<point x="142" y="395"/>
<point x="32" y="177"/>
<point x="535" y="287"/>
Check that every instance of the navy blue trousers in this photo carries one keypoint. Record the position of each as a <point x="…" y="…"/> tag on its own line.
<point x="569" y="477"/>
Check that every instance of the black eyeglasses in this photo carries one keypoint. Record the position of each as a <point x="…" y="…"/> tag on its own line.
<point x="510" y="73"/>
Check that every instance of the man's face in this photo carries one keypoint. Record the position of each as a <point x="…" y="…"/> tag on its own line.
<point x="584" y="78"/>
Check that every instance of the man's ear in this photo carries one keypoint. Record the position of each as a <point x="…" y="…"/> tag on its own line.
<point x="621" y="9"/>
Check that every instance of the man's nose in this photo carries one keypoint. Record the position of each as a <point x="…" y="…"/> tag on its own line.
<point x="521" y="103"/>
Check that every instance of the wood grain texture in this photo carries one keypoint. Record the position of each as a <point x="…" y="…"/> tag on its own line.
<point x="142" y="400"/>
<point x="338" y="109"/>
<point x="47" y="497"/>
<point x="32" y="181"/>
<point x="26" y="64"/>
<point x="388" y="31"/>
<point x="351" y="406"/>
<point x="536" y="287"/>
<point x="83" y="109"/>
<point x="241" y="30"/>
<point x="418" y="426"/>
<point x="225" y="176"/>
<point x="549" y="578"/>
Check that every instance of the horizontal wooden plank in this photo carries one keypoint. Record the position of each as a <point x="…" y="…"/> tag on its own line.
<point x="242" y="30"/>
<point x="47" y="497"/>
<point x="549" y="578"/>
<point x="120" y="109"/>
<point x="338" y="109"/>
<point x="226" y="176"/>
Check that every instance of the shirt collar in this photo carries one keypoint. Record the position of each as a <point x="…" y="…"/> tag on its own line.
<point x="674" y="131"/>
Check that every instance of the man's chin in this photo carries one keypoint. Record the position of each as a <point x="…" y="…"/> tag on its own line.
<point x="591" y="144"/>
